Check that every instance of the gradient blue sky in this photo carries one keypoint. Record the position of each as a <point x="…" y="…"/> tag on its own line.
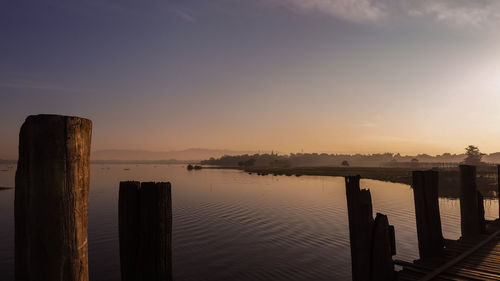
<point x="410" y="76"/>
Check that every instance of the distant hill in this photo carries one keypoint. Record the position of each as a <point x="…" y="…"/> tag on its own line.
<point x="187" y="154"/>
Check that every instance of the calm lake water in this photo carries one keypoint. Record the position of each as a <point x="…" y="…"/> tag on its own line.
<point x="228" y="225"/>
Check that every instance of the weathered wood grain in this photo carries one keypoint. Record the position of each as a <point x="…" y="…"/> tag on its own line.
<point x="51" y="199"/>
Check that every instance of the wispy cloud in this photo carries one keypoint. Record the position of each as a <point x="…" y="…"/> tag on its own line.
<point x="462" y="12"/>
<point x="184" y="16"/>
<point x="351" y="10"/>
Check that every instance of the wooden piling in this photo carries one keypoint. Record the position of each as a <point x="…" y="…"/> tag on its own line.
<point x="372" y="242"/>
<point x="145" y="251"/>
<point x="360" y="215"/>
<point x="128" y="218"/>
<point x="155" y="250"/>
<point x="469" y="207"/>
<point x="429" y="231"/>
<point x="51" y="199"/>
<point x="382" y="266"/>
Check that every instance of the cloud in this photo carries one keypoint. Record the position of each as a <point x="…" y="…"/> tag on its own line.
<point x="461" y="12"/>
<point x="351" y="10"/>
<point x="457" y="12"/>
<point x="184" y="16"/>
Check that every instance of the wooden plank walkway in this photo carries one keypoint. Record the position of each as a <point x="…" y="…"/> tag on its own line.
<point x="475" y="258"/>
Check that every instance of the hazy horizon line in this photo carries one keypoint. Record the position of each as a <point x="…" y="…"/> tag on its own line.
<point x="235" y="152"/>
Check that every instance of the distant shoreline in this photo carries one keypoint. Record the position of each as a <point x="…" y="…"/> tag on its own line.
<point x="389" y="174"/>
<point x="144" y="161"/>
<point x="14" y="162"/>
<point x="449" y="178"/>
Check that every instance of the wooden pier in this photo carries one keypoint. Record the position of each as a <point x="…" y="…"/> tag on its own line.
<point x="475" y="256"/>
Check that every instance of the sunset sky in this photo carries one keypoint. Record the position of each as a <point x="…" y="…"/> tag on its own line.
<point x="336" y="76"/>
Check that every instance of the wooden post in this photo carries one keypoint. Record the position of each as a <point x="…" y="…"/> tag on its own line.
<point x="372" y="242"/>
<point x="469" y="209"/>
<point x="382" y="266"/>
<point x="128" y="224"/>
<point x="155" y="252"/>
<point x="51" y="199"/>
<point x="145" y="222"/>
<point x="425" y="194"/>
<point x="360" y="214"/>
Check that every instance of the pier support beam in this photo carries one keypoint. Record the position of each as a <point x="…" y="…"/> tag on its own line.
<point x="425" y="193"/>
<point x="472" y="218"/>
<point x="372" y="241"/>
<point x="51" y="199"/>
<point x="145" y="226"/>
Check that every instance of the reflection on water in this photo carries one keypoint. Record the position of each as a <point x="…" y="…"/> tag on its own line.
<point x="229" y="225"/>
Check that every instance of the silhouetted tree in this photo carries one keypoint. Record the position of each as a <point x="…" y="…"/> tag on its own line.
<point x="473" y="155"/>
<point x="345" y="163"/>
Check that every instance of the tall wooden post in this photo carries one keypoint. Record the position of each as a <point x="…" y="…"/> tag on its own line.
<point x="128" y="225"/>
<point x="425" y="195"/>
<point x="51" y="199"/>
<point x="469" y="208"/>
<point x="145" y="223"/>
<point x="360" y="214"/>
